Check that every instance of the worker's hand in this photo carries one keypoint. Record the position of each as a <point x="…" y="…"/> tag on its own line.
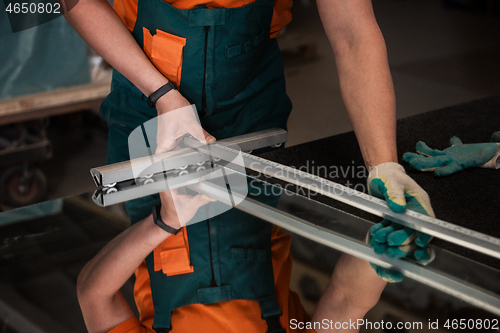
<point x="178" y="207"/>
<point x="455" y="158"/>
<point x="389" y="181"/>
<point x="176" y="118"/>
<point x="421" y="255"/>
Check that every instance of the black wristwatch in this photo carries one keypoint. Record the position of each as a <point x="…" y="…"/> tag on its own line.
<point x="160" y="92"/>
<point x="159" y="222"/>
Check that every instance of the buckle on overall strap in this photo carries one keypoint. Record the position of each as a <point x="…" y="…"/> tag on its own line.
<point x="273" y="324"/>
<point x="271" y="313"/>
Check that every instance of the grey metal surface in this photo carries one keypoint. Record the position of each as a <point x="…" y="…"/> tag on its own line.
<point x="438" y="228"/>
<point x="103" y="199"/>
<point x="430" y="276"/>
<point x="118" y="172"/>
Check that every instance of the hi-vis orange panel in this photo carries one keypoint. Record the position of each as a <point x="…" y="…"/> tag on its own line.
<point x="172" y="256"/>
<point x="231" y="316"/>
<point x="165" y="52"/>
<point x="127" y="10"/>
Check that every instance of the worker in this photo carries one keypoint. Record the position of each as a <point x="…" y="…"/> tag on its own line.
<point x="222" y="57"/>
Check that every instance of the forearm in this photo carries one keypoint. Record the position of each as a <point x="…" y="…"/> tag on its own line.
<point x="365" y="81"/>
<point x="98" y="24"/>
<point x="368" y="94"/>
<point x="105" y="274"/>
<point x="98" y="286"/>
<point x="353" y="290"/>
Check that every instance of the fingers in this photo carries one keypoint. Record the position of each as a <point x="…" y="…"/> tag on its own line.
<point x="208" y="138"/>
<point x="495" y="137"/>
<point x="382" y="234"/>
<point x="429" y="163"/>
<point x="448" y="170"/>
<point x="378" y="226"/>
<point x="424" y="256"/>
<point x="408" y="156"/>
<point x="401" y="237"/>
<point x="423" y="149"/>
<point x="419" y="202"/>
<point x="398" y="252"/>
<point x="392" y="192"/>
<point x="387" y="274"/>
<point x="455" y="141"/>
<point x="422" y="240"/>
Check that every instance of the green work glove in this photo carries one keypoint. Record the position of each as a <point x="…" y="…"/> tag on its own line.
<point x="495" y="137"/>
<point x="389" y="181"/>
<point x="421" y="255"/>
<point x="455" y="158"/>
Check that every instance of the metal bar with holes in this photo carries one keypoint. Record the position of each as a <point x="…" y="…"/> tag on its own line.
<point x="118" y="172"/>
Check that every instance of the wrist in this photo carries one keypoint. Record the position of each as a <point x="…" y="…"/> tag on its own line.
<point x="155" y="235"/>
<point x="168" y="224"/>
<point x="160" y="93"/>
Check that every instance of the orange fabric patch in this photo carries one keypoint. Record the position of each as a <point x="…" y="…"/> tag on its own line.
<point x="230" y="316"/>
<point x="172" y="256"/>
<point x="127" y="10"/>
<point x="165" y="52"/>
<point x="131" y="325"/>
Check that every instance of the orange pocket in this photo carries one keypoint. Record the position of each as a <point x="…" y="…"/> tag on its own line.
<point x="172" y="256"/>
<point x="165" y="52"/>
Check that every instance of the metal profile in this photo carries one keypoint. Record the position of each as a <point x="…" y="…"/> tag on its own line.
<point x="118" y="172"/>
<point x="438" y="228"/>
<point x="429" y="276"/>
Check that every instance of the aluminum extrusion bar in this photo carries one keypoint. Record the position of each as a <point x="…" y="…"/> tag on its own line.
<point x="438" y="228"/>
<point x="130" y="192"/>
<point x="426" y="275"/>
<point x="122" y="171"/>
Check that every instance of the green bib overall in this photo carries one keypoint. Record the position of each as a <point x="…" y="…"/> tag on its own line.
<point x="232" y="71"/>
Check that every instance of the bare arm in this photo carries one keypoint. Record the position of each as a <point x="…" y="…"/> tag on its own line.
<point x="99" y="25"/>
<point x="365" y="81"/>
<point x="98" y="286"/>
<point x="353" y="290"/>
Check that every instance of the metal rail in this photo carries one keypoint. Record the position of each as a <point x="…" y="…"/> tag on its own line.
<point x="451" y="285"/>
<point x="438" y="228"/>
<point x="118" y="172"/>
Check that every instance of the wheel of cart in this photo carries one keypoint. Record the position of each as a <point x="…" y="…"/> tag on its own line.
<point x="22" y="185"/>
<point x="22" y="146"/>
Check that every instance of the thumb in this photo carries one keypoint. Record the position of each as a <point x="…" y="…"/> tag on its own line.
<point x="455" y="141"/>
<point x="200" y="134"/>
<point x="209" y="138"/>
<point x="391" y="191"/>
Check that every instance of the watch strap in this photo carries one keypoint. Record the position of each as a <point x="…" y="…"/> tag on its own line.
<point x="159" y="222"/>
<point x="154" y="97"/>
